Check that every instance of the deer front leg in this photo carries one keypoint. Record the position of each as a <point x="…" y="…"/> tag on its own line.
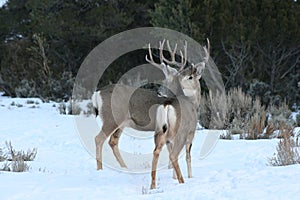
<point x="159" y="142"/>
<point x="99" y="140"/>
<point x="113" y="142"/>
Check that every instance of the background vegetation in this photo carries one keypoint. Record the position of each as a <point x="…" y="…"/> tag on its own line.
<point x="256" y="43"/>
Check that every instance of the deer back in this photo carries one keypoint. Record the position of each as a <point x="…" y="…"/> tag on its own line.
<point x="123" y="105"/>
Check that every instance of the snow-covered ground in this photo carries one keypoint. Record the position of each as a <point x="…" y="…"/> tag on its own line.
<point x="63" y="168"/>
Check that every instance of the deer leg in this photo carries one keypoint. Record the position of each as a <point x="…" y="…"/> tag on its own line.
<point x="113" y="142"/>
<point x="99" y="140"/>
<point x="159" y="142"/>
<point x="188" y="159"/>
<point x="174" y="160"/>
<point x="169" y="146"/>
<point x="170" y="166"/>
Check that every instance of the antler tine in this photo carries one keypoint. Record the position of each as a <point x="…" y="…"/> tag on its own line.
<point x="207" y="50"/>
<point x="151" y="61"/>
<point x="172" y="61"/>
<point x="183" y="57"/>
<point x="206" y="57"/>
<point x="173" y="54"/>
<point x="170" y="51"/>
<point x="185" y="52"/>
<point x="161" y="50"/>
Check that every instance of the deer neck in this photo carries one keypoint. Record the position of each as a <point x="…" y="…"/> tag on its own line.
<point x="171" y="89"/>
<point x="193" y="94"/>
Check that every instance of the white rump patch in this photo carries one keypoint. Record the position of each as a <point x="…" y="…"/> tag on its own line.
<point x="171" y="116"/>
<point x="97" y="100"/>
<point x="161" y="117"/>
<point x="165" y="115"/>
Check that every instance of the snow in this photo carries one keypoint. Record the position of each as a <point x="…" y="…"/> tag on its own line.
<point x="2" y="2"/>
<point x="64" y="169"/>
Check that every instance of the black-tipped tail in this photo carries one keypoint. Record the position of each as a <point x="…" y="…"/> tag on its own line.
<point x="96" y="111"/>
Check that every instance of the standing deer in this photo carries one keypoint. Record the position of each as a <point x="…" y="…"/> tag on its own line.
<point x="173" y="119"/>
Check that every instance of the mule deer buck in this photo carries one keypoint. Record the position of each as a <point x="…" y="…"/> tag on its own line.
<point x="172" y="117"/>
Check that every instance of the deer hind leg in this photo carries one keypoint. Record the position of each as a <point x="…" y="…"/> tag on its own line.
<point x="170" y="166"/>
<point x="99" y="140"/>
<point x="173" y="156"/>
<point x="105" y="132"/>
<point x="174" y="160"/>
<point x="188" y="159"/>
<point x="159" y="143"/>
<point x="113" y="142"/>
<point x="170" y="147"/>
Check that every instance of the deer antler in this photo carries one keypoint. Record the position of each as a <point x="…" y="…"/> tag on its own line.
<point x="151" y="61"/>
<point x="206" y="50"/>
<point x="172" y="53"/>
<point x="182" y="64"/>
<point x="206" y="57"/>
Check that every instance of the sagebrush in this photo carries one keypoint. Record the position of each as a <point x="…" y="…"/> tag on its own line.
<point x="16" y="161"/>
<point x="242" y="114"/>
<point x="287" y="152"/>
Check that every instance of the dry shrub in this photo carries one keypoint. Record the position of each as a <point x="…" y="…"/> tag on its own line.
<point x="236" y="112"/>
<point x="62" y="108"/>
<point x="297" y="135"/>
<point x="20" y="155"/>
<point x="16" y="160"/>
<point x="257" y="122"/>
<point x="204" y="111"/>
<point x="5" y="167"/>
<point x="226" y="136"/>
<point x="240" y="105"/>
<point x="218" y="110"/>
<point x="2" y="156"/>
<point x="19" y="166"/>
<point x="213" y="110"/>
<point x="74" y="108"/>
<point x="270" y="129"/>
<point x="89" y="109"/>
<point x="29" y="102"/>
<point x="239" y="113"/>
<point x="287" y="150"/>
<point x="15" y="166"/>
<point x="280" y="114"/>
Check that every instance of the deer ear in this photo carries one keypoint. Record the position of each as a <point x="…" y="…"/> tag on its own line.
<point x="198" y="70"/>
<point x="168" y="71"/>
<point x="193" y="70"/>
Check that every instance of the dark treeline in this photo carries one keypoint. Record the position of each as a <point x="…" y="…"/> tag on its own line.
<point x="255" y="43"/>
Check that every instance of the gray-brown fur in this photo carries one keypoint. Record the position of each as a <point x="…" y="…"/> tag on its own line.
<point x="140" y="110"/>
<point x="124" y="106"/>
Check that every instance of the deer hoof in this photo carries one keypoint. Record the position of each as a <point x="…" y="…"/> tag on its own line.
<point x="99" y="165"/>
<point x="180" y="180"/>
<point x="152" y="186"/>
<point x="124" y="166"/>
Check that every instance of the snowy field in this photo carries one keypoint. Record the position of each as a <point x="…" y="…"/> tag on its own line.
<point x="63" y="168"/>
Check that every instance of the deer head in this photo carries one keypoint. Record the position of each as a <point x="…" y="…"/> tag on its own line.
<point x="189" y="77"/>
<point x="180" y="79"/>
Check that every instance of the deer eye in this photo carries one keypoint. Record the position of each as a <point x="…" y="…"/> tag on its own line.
<point x="190" y="78"/>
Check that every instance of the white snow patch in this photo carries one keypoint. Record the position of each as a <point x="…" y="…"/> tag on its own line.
<point x="63" y="169"/>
